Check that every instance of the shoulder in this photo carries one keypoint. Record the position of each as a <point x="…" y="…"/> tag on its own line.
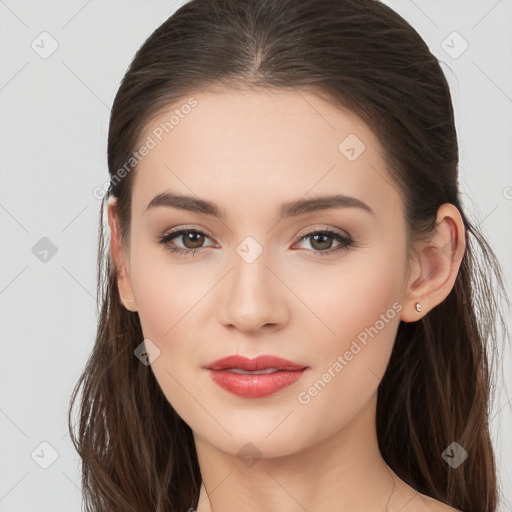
<point x="424" y="503"/>
<point x="410" y="500"/>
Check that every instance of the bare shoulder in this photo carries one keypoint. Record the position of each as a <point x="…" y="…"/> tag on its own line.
<point x="410" y="500"/>
<point x="428" y="504"/>
<point x="421" y="503"/>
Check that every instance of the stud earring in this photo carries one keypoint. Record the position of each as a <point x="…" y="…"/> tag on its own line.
<point x="418" y="307"/>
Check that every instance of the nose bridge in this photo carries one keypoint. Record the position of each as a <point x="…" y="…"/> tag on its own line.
<point x="252" y="296"/>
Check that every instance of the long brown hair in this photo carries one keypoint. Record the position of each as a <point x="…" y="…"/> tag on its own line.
<point x="137" y="453"/>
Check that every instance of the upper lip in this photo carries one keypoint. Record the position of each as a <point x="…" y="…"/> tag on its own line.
<point x="258" y="363"/>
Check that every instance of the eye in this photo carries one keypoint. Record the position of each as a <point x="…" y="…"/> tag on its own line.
<point x="321" y="241"/>
<point x="192" y="240"/>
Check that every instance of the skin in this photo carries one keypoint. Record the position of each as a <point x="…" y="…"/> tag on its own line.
<point x="249" y="152"/>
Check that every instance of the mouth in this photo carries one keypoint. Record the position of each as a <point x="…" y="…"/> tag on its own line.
<point x="255" y="378"/>
<point x="266" y="363"/>
<point x="253" y="372"/>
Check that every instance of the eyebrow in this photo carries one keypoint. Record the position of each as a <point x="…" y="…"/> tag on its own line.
<point x="289" y="209"/>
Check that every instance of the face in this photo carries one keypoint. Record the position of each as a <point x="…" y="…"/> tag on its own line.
<point x="320" y="287"/>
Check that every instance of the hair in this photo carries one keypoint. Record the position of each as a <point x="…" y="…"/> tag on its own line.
<point x="359" y="55"/>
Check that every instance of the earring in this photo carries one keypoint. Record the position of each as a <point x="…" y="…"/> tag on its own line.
<point x="418" y="307"/>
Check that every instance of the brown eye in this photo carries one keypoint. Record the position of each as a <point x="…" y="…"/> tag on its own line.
<point x="190" y="239"/>
<point x="321" y="242"/>
<point x="193" y="239"/>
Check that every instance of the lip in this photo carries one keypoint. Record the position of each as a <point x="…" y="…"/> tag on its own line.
<point x="258" y="363"/>
<point x="254" y="385"/>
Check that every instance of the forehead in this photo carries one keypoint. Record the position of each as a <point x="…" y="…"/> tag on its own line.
<point x="260" y="144"/>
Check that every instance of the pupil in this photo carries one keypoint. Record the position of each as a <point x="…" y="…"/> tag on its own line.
<point x="316" y="237"/>
<point x="195" y="243"/>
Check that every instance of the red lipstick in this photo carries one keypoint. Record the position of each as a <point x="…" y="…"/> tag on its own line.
<point x="254" y="378"/>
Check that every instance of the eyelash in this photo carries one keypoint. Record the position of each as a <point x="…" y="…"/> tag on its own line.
<point x="345" y="241"/>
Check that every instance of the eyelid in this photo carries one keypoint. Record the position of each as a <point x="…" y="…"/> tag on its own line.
<point x="181" y="230"/>
<point x="322" y="230"/>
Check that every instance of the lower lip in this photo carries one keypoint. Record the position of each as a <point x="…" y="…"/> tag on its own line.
<point x="255" y="385"/>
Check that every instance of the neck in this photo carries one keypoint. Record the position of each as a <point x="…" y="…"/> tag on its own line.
<point x="343" y="472"/>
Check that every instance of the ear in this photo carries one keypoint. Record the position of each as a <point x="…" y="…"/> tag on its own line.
<point x="121" y="264"/>
<point x="436" y="264"/>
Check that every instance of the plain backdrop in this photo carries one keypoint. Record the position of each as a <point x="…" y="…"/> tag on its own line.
<point x="61" y="65"/>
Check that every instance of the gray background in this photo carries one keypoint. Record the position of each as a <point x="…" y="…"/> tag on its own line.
<point x="54" y="115"/>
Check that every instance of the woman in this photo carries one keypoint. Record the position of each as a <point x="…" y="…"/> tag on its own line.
<point x="292" y="314"/>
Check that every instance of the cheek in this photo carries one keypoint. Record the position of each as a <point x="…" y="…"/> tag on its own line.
<point x="362" y="308"/>
<point x="169" y="302"/>
<point x="167" y="292"/>
<point x="362" y="295"/>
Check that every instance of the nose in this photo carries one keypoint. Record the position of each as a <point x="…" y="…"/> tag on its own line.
<point x="252" y="297"/>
